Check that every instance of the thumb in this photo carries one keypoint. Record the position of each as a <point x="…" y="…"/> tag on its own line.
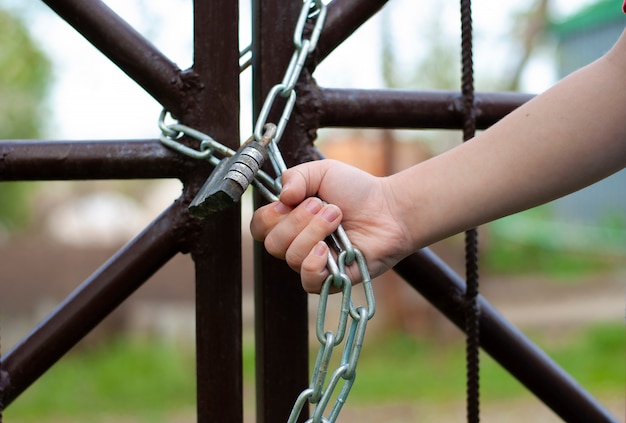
<point x="302" y="181"/>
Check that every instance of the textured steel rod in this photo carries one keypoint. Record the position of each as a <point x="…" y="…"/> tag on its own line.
<point x="216" y="247"/>
<point x="344" y="17"/>
<point x="92" y="301"/>
<point x="506" y="344"/>
<point x="411" y="109"/>
<point x="281" y="319"/>
<point x="66" y="160"/>
<point x="472" y="310"/>
<point x="127" y="48"/>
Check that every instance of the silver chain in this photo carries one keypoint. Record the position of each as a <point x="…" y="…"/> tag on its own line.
<point x="319" y="393"/>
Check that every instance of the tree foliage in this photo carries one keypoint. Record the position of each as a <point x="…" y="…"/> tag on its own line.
<point x="24" y="80"/>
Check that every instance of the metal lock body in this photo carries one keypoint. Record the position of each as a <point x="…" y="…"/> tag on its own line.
<point x="229" y="180"/>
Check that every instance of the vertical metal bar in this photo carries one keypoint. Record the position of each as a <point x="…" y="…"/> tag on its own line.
<point x="281" y="324"/>
<point x="216" y="249"/>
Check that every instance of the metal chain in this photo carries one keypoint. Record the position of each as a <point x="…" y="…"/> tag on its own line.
<point x="319" y="393"/>
<point x="472" y="311"/>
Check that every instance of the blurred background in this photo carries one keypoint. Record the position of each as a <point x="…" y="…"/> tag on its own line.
<point x="557" y="272"/>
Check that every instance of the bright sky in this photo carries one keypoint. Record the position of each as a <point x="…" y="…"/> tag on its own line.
<point x="91" y="98"/>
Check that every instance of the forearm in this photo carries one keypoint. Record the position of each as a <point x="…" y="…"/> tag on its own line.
<point x="567" y="138"/>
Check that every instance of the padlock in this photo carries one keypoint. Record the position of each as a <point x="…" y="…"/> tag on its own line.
<point x="229" y="180"/>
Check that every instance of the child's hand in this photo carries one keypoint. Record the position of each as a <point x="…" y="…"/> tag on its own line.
<point x="294" y="228"/>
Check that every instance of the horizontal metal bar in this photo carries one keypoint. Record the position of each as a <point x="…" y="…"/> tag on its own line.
<point x="411" y="109"/>
<point x="505" y="343"/>
<point x="66" y="160"/>
<point x="343" y="18"/>
<point x="127" y="48"/>
<point x="91" y="302"/>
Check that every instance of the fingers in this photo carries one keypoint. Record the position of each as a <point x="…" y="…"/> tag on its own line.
<point x="302" y="181"/>
<point x="313" y="271"/>
<point x="294" y="234"/>
<point x="266" y="218"/>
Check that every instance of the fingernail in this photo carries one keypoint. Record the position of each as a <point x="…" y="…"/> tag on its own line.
<point x="313" y="205"/>
<point x="320" y="249"/>
<point x="281" y="208"/>
<point x="330" y="213"/>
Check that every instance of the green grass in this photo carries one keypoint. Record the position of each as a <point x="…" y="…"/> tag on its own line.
<point x="122" y="377"/>
<point x="508" y="258"/>
<point x="152" y="381"/>
<point x="535" y="242"/>
<point x="406" y="368"/>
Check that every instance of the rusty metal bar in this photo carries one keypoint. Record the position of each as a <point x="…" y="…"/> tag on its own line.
<point x="128" y="49"/>
<point x="281" y="321"/>
<point x="65" y="160"/>
<point x="91" y="302"/>
<point x="216" y="246"/>
<point x="410" y="109"/>
<point x="505" y="343"/>
<point x="344" y="17"/>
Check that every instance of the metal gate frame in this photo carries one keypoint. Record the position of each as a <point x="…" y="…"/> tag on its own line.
<point x="205" y="97"/>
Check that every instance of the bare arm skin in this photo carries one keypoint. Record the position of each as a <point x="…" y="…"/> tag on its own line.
<point x="561" y="141"/>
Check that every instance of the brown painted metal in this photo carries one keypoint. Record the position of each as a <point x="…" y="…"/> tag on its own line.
<point x="28" y="160"/>
<point x="281" y="320"/>
<point x="216" y="247"/>
<point x="410" y="109"/>
<point x="344" y="17"/>
<point x="507" y="345"/>
<point x="206" y="98"/>
<point x="128" y="49"/>
<point x="94" y="300"/>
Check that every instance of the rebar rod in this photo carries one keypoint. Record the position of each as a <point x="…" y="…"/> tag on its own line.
<point x="472" y="310"/>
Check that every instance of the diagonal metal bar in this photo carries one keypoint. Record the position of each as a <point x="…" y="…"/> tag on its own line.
<point x="344" y="17"/>
<point x="410" y="109"/>
<point x="128" y="49"/>
<point x="96" y="298"/>
<point x="506" y="344"/>
<point x="65" y="160"/>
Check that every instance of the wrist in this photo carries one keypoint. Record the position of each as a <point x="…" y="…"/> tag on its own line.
<point x="409" y="211"/>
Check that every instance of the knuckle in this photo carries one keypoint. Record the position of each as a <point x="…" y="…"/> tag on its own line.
<point x="274" y="248"/>
<point x="259" y="224"/>
<point x="294" y="259"/>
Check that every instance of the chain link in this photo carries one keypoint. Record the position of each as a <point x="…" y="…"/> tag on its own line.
<point x="172" y="133"/>
<point x="319" y="393"/>
<point x="311" y="9"/>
